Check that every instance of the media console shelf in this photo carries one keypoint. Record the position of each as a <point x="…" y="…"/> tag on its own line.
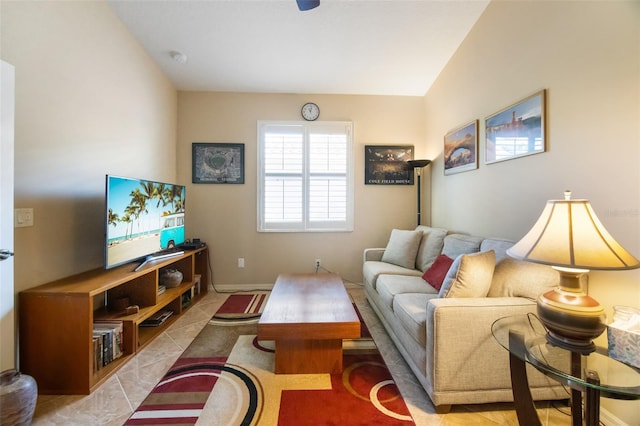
<point x="56" y="319"/>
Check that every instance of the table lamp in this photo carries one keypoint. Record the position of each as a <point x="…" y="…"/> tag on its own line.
<point x="418" y="165"/>
<point x="569" y="236"/>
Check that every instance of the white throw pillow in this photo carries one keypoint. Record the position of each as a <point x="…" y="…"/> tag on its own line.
<point x="470" y="275"/>
<point x="402" y="248"/>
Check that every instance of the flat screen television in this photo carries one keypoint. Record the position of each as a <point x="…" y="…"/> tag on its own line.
<point x="143" y="219"/>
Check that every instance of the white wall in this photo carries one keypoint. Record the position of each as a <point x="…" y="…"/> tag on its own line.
<point x="587" y="56"/>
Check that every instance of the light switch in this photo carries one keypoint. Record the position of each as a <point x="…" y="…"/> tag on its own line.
<point x="23" y="218"/>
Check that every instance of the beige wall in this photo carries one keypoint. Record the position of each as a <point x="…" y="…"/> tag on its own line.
<point x="225" y="215"/>
<point x="587" y="55"/>
<point x="89" y="102"/>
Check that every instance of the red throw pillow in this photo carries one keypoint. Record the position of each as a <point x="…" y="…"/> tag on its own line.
<point x="434" y="276"/>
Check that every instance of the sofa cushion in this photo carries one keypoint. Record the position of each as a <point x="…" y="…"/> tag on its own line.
<point x="434" y="276"/>
<point x="372" y="269"/>
<point x="517" y="278"/>
<point x="498" y="245"/>
<point x="457" y="244"/>
<point x="470" y="275"/>
<point x="388" y="286"/>
<point x="430" y="246"/>
<point x="411" y="312"/>
<point x="402" y="248"/>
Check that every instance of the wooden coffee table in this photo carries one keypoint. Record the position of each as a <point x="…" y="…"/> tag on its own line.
<point x="308" y="315"/>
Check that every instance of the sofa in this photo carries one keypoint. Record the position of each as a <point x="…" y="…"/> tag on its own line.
<point x="437" y="293"/>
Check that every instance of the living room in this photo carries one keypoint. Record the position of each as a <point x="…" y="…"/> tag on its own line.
<point x="90" y="102"/>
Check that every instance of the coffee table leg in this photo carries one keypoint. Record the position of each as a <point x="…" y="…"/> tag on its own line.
<point x="308" y="356"/>
<point x="525" y="408"/>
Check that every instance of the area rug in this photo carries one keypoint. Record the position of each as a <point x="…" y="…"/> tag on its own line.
<point x="225" y="377"/>
<point x="242" y="306"/>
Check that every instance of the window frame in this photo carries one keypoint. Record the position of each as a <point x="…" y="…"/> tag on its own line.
<point x="306" y="225"/>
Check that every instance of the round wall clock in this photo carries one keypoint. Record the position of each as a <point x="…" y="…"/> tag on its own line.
<point x="310" y="111"/>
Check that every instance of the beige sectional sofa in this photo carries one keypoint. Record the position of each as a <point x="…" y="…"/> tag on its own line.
<point x="445" y="335"/>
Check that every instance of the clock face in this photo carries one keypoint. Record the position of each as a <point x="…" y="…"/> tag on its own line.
<point x="310" y="111"/>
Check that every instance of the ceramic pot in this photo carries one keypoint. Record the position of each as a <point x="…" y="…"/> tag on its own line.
<point x="18" y="396"/>
<point x="170" y="278"/>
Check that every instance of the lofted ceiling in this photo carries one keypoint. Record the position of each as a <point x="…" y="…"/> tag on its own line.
<point x="370" y="47"/>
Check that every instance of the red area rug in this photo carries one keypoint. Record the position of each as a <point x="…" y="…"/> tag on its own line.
<point x="225" y="377"/>
<point x="242" y="306"/>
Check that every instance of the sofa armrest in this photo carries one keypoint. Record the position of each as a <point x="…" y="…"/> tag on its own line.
<point x="461" y="353"/>
<point x="373" y="254"/>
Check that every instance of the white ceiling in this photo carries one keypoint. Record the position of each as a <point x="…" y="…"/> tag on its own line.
<point x="373" y="47"/>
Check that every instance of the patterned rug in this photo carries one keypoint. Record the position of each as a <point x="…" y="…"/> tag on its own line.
<point x="225" y="377"/>
<point x="242" y="306"/>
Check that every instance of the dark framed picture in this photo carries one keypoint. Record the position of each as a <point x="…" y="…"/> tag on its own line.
<point x="516" y="131"/>
<point x="217" y="162"/>
<point x="461" y="149"/>
<point x="387" y="164"/>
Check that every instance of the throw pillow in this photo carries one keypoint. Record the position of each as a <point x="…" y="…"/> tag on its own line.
<point x="517" y="278"/>
<point x="470" y="275"/>
<point x="430" y="246"/>
<point x="434" y="276"/>
<point x="402" y="248"/>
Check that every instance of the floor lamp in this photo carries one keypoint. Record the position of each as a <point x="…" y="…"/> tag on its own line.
<point x="418" y="165"/>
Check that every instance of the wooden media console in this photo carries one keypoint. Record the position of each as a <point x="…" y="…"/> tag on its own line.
<point x="57" y="345"/>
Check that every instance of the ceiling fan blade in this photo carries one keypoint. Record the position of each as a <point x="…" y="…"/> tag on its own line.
<point x="307" y="4"/>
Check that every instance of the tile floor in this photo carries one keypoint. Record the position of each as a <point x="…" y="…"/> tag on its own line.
<point x="114" y="401"/>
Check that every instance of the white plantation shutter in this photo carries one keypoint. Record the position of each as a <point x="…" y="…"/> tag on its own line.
<point x="305" y="176"/>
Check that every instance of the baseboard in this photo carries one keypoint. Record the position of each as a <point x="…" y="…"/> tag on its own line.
<point x="231" y="288"/>
<point x="227" y="288"/>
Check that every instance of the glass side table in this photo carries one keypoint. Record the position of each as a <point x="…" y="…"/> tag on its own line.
<point x="594" y="374"/>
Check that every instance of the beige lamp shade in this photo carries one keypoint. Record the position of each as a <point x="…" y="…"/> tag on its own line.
<point x="569" y="234"/>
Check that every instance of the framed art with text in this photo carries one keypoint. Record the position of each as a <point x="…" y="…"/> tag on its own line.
<point x="387" y="165"/>
<point x="217" y="162"/>
<point x="461" y="149"/>
<point x="516" y="131"/>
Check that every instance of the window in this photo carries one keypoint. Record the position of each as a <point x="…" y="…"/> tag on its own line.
<point x="305" y="176"/>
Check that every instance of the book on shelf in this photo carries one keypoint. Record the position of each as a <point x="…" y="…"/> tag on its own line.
<point x="161" y="289"/>
<point x="107" y="342"/>
<point x="157" y="319"/>
<point x="97" y="352"/>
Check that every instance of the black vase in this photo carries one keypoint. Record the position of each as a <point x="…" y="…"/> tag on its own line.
<point x="18" y="396"/>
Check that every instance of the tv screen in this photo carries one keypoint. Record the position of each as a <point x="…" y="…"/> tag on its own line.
<point x="143" y="217"/>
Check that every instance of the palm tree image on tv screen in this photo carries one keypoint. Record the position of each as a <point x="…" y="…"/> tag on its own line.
<point x="143" y="217"/>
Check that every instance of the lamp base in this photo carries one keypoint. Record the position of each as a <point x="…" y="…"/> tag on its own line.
<point x="580" y="346"/>
<point x="572" y="317"/>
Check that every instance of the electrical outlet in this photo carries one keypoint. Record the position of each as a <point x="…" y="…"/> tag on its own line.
<point x="23" y="218"/>
<point x="241" y="262"/>
<point x="317" y="263"/>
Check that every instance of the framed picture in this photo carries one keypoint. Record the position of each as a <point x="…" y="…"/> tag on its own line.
<point x="461" y="149"/>
<point x="217" y="162"/>
<point x="516" y="131"/>
<point x="387" y="165"/>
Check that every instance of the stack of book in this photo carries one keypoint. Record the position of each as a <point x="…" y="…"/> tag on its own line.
<point x="161" y="289"/>
<point x="107" y="342"/>
<point x="156" y="319"/>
